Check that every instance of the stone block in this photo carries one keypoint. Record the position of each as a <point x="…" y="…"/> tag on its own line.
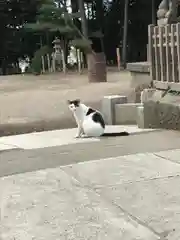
<point x="164" y="115"/>
<point x="140" y="117"/>
<point x="147" y="94"/>
<point x="140" y="67"/>
<point x="157" y="95"/>
<point x="126" y="113"/>
<point x="139" y="82"/>
<point x="108" y="107"/>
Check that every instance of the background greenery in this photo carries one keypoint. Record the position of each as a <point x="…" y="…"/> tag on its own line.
<point x="28" y="25"/>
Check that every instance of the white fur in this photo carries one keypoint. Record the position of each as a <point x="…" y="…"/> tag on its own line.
<point x="91" y="128"/>
<point x="86" y="126"/>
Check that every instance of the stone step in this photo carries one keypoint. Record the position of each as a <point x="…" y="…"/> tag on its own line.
<point x="127" y="113"/>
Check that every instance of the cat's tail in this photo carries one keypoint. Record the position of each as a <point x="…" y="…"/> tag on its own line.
<point x="115" y="134"/>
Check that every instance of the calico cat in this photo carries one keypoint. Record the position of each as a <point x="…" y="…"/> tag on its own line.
<point x="90" y="122"/>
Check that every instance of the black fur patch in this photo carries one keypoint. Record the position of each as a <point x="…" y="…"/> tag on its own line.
<point x="76" y="102"/>
<point x="90" y="110"/>
<point x="97" y="117"/>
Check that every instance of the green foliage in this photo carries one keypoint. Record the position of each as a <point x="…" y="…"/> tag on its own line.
<point x="36" y="64"/>
<point x="52" y="18"/>
<point x="14" y="41"/>
<point x="43" y="16"/>
<point x="82" y="44"/>
<point x="57" y="21"/>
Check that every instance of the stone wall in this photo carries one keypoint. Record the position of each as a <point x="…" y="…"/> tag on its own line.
<point x="140" y="78"/>
<point x="163" y="113"/>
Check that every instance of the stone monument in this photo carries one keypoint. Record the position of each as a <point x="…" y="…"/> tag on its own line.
<point x="166" y="13"/>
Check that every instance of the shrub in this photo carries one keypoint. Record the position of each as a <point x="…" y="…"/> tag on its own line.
<point x="36" y="64"/>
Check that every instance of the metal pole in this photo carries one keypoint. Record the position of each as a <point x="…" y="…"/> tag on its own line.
<point x="125" y="31"/>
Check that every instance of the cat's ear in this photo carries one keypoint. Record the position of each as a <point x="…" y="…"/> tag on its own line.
<point x="77" y="101"/>
<point x="68" y="102"/>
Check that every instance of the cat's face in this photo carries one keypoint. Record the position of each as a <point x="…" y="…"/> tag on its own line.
<point x="73" y="104"/>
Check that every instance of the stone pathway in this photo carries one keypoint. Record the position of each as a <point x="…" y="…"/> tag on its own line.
<point x="58" y="138"/>
<point x="128" y="197"/>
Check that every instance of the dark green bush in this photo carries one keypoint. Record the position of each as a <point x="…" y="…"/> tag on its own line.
<point x="36" y="64"/>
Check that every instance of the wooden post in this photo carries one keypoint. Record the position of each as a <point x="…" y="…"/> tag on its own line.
<point x="43" y="64"/>
<point x="150" y="52"/>
<point x="178" y="48"/>
<point x="173" y="53"/>
<point x="53" y="62"/>
<point x="82" y="61"/>
<point x="147" y="52"/>
<point x="157" y="57"/>
<point x="63" y="61"/>
<point x="118" y="58"/>
<point x="168" y="53"/>
<point x="48" y="62"/>
<point x="79" y="60"/>
<point x="162" y="55"/>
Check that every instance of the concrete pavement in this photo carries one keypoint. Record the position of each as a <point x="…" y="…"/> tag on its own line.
<point x="115" y="188"/>
<point x="17" y="160"/>
<point x="128" y="197"/>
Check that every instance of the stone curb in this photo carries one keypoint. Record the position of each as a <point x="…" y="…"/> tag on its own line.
<point x="8" y="129"/>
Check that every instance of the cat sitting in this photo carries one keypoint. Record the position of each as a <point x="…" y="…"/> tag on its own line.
<point x="90" y="122"/>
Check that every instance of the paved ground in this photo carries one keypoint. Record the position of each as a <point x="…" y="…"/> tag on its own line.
<point x="55" y="187"/>
<point x="76" y="192"/>
<point x="18" y="160"/>
<point x="39" y="103"/>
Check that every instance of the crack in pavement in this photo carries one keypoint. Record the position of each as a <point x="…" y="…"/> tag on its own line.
<point x="144" y="180"/>
<point x="165" y="158"/>
<point x="126" y="213"/>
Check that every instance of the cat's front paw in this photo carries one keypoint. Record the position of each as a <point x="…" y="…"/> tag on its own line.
<point x="78" y="136"/>
<point x="83" y="135"/>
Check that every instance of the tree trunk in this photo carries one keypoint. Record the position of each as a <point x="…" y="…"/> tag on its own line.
<point x="124" y="50"/>
<point x="83" y="19"/>
<point x="100" y="20"/>
<point x="95" y="61"/>
<point x="4" y="67"/>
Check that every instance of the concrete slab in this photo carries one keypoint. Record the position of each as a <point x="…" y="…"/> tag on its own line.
<point x="45" y="139"/>
<point x="59" y="137"/>
<point x="124" y="169"/>
<point x="155" y="202"/>
<point x="172" y="155"/>
<point x="143" y="185"/>
<point x="51" y="205"/>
